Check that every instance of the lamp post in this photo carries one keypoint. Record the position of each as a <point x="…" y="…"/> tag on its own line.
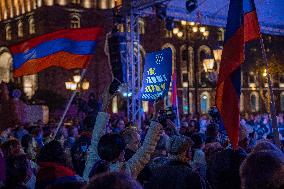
<point x="75" y="84"/>
<point x="191" y="31"/>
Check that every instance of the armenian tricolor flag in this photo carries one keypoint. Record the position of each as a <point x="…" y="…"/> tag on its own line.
<point x="242" y="27"/>
<point x="69" y="48"/>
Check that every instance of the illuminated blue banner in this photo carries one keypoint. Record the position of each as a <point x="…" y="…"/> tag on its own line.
<point x="157" y="74"/>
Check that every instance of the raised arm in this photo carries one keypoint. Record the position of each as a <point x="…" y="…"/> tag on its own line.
<point x="98" y="131"/>
<point x="135" y="164"/>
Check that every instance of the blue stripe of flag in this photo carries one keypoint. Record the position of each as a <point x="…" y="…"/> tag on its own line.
<point x="249" y="6"/>
<point x="236" y="18"/>
<point x="54" y="46"/>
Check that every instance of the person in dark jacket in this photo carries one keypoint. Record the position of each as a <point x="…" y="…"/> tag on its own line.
<point x="174" y="171"/>
<point x="53" y="168"/>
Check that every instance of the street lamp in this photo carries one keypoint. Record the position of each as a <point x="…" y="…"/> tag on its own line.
<point x="264" y="74"/>
<point x="208" y="64"/>
<point x="217" y="52"/>
<point x="76" y="84"/>
<point x="77" y="78"/>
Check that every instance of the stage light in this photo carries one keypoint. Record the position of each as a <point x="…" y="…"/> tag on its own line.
<point x="191" y="23"/>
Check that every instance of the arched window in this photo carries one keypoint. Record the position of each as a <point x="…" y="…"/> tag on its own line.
<point x="49" y="2"/>
<point x="76" y="1"/>
<point x="204" y="102"/>
<point x="39" y="3"/>
<point x="30" y="85"/>
<point x="203" y="52"/>
<point x="186" y="57"/>
<point x="252" y="79"/>
<point x="8" y="31"/>
<point x="282" y="101"/>
<point x="75" y="21"/>
<point x="62" y="2"/>
<point x="242" y="102"/>
<point x="5" y="65"/>
<point x="281" y="80"/>
<point x="185" y="102"/>
<point x="184" y="66"/>
<point x="87" y="4"/>
<point x="111" y="4"/>
<point x="141" y="26"/>
<point x="31" y="25"/>
<point x="20" y="29"/>
<point x="254" y="102"/>
<point x="221" y="34"/>
<point x="114" y="105"/>
<point x="106" y="4"/>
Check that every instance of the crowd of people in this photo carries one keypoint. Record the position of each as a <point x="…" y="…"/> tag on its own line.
<point x="114" y="154"/>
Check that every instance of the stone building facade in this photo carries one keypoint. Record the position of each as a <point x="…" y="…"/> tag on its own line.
<point x="23" y="19"/>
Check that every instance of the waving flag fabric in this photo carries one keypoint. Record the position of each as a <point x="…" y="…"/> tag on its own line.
<point x="69" y="48"/>
<point x="242" y="27"/>
<point x="157" y="74"/>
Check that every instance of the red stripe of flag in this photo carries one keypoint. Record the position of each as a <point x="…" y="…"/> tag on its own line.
<point x="61" y="59"/>
<point x="228" y="86"/>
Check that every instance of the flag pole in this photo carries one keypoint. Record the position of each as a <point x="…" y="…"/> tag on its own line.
<point x="68" y="105"/>
<point x="272" y="102"/>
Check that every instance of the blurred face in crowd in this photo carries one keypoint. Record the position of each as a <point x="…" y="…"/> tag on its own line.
<point x="121" y="124"/>
<point x="64" y="132"/>
<point x="134" y="144"/>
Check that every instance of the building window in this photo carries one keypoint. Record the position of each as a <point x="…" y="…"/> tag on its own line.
<point x="106" y="4"/>
<point x="49" y="2"/>
<point x="242" y="102"/>
<point x="281" y="80"/>
<point x="39" y="3"/>
<point x="282" y="101"/>
<point x="252" y="80"/>
<point x="75" y="21"/>
<point x="76" y="1"/>
<point x="114" y="105"/>
<point x="141" y="26"/>
<point x="5" y="65"/>
<point x="31" y="25"/>
<point x="30" y="85"/>
<point x="62" y="2"/>
<point x="8" y="31"/>
<point x="204" y="102"/>
<point x="185" y="102"/>
<point x="20" y="29"/>
<point x="221" y="34"/>
<point x="254" y="102"/>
